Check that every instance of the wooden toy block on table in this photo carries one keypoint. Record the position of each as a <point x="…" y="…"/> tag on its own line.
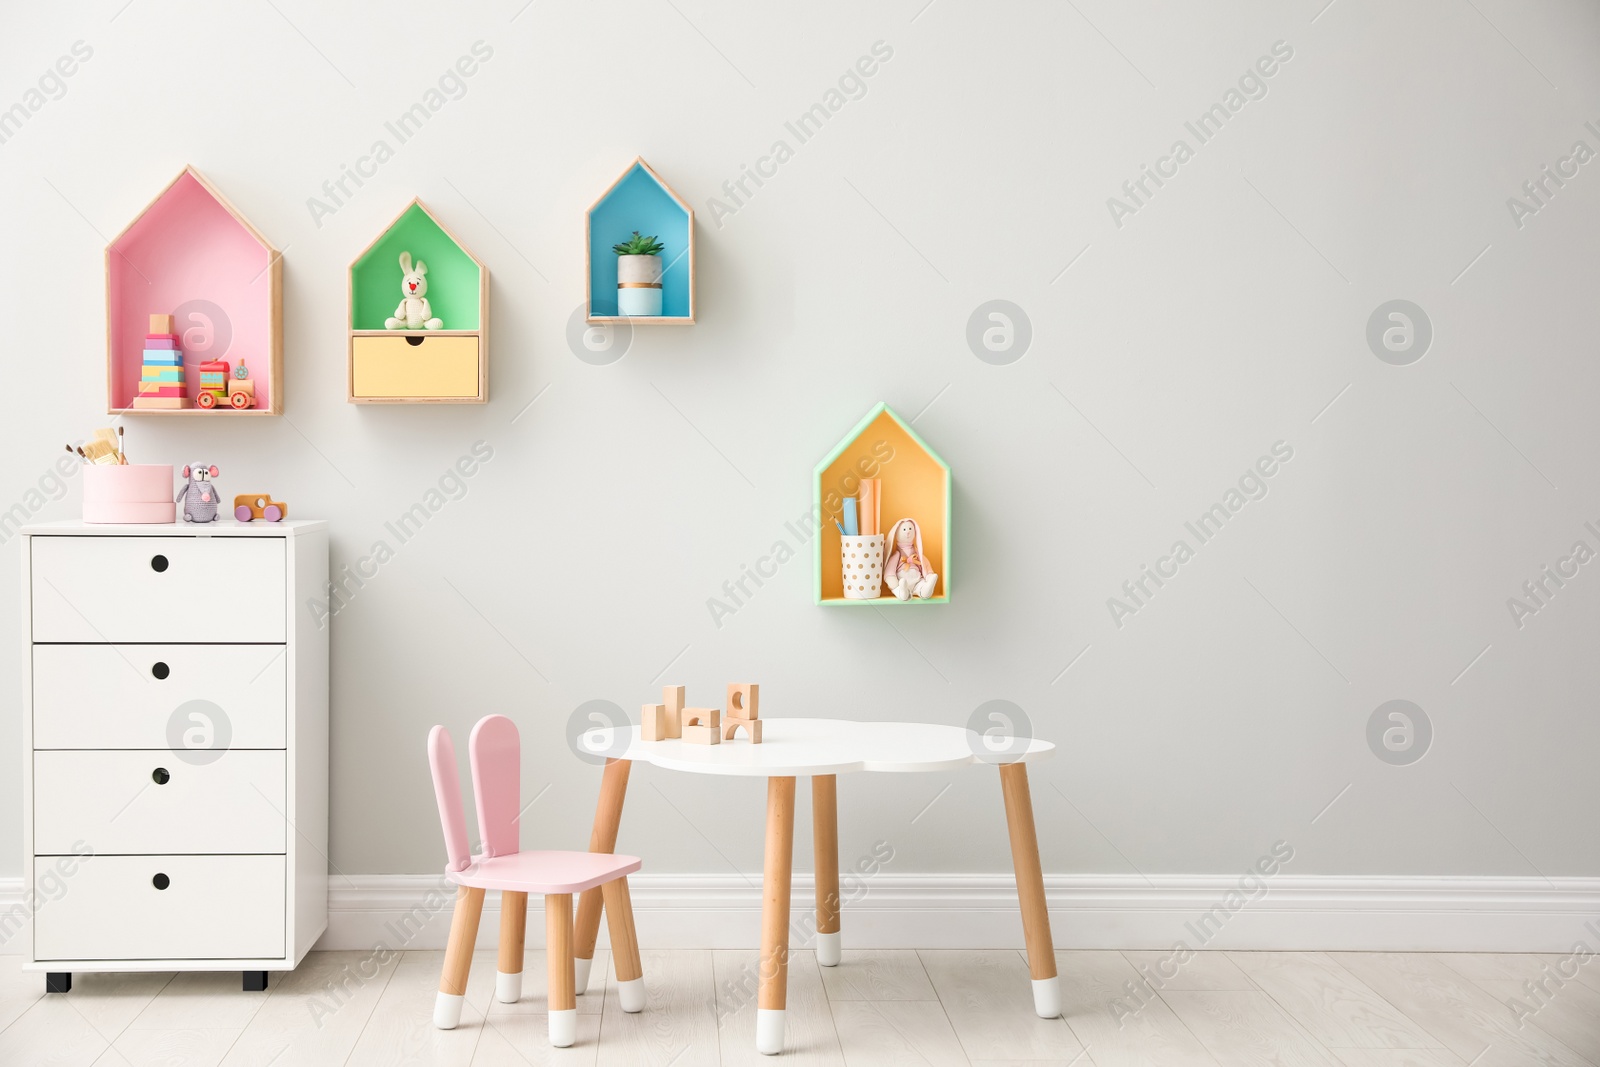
<point x="744" y="708"/>
<point x="702" y="726"/>
<point x="673" y="697"/>
<point x="161" y="324"/>
<point x="653" y="722"/>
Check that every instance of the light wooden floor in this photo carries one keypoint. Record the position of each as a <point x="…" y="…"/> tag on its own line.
<point x="878" y="1009"/>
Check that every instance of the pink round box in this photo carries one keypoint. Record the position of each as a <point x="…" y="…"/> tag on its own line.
<point x="136" y="492"/>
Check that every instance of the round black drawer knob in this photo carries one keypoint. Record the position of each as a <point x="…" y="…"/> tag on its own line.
<point x="158" y="563"/>
<point x="161" y="881"/>
<point x="161" y="670"/>
<point x="161" y="776"/>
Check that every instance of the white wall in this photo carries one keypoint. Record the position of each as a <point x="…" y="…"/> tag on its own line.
<point x="1228" y="313"/>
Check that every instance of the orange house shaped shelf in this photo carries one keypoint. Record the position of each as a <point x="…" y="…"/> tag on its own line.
<point x="915" y="484"/>
<point x="191" y="255"/>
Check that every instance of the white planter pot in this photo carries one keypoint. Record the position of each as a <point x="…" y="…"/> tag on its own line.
<point x="861" y="565"/>
<point x="638" y="286"/>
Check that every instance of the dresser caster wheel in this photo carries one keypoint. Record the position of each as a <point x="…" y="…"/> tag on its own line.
<point x="58" y="982"/>
<point x="255" y="981"/>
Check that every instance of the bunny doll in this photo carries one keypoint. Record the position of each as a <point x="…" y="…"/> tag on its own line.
<point x="413" y="312"/>
<point x="907" y="572"/>
<point x="199" y="494"/>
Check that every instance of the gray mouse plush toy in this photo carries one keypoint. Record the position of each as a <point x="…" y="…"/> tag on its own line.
<point x="199" y="496"/>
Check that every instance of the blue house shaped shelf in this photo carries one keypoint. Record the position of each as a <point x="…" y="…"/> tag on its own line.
<point x="640" y="200"/>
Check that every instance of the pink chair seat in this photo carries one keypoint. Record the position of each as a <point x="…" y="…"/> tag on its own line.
<point x="544" y="872"/>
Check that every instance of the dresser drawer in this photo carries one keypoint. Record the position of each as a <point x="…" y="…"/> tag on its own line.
<point x="116" y="802"/>
<point x="105" y="589"/>
<point x="213" y="907"/>
<point x="140" y="696"/>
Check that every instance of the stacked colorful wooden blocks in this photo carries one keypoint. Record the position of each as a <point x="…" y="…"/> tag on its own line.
<point x="161" y="381"/>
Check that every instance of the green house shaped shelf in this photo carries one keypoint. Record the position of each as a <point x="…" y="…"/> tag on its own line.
<point x="449" y="365"/>
<point x="640" y="200"/>
<point x="914" y="484"/>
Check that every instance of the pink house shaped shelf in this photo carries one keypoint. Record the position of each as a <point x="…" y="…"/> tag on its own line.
<point x="190" y="254"/>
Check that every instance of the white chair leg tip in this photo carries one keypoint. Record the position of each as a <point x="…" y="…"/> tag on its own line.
<point x="1047" y="997"/>
<point x="564" y="1028"/>
<point x="631" y="994"/>
<point x="507" y="987"/>
<point x="769" y="1031"/>
<point x="447" y="1011"/>
<point x="829" y="949"/>
<point x="580" y="974"/>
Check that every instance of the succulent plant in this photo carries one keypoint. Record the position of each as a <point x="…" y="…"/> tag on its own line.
<point x="638" y="246"/>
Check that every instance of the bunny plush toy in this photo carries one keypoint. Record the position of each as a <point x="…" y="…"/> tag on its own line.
<point x="199" y="494"/>
<point x="413" y="312"/>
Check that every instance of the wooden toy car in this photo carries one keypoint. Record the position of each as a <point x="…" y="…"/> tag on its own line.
<point x="249" y="506"/>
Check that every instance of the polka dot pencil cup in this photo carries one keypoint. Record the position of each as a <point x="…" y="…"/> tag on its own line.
<point x="861" y="559"/>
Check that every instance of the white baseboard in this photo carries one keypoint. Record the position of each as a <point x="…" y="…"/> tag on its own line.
<point x="1086" y="911"/>
<point x="980" y="911"/>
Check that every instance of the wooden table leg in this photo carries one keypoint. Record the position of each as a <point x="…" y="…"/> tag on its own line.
<point x="624" y="945"/>
<point x="458" y="958"/>
<point x="773" y="992"/>
<point x="513" y="932"/>
<point x="563" y="1004"/>
<point x="603" y="838"/>
<point x="825" y="846"/>
<point x="1030" y="890"/>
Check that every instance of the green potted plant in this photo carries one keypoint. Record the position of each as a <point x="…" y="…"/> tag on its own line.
<point x="638" y="276"/>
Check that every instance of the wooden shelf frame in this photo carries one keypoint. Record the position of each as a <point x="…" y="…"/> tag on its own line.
<point x="363" y="300"/>
<point x="235" y="267"/>
<point x="916" y="484"/>
<point x="675" y="230"/>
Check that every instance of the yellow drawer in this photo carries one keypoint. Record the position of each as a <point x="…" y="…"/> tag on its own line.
<point x="394" y="368"/>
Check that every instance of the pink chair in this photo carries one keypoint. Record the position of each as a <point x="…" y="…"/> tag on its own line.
<point x="496" y="755"/>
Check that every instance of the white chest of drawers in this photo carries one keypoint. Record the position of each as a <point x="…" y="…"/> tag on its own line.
<point x="175" y="773"/>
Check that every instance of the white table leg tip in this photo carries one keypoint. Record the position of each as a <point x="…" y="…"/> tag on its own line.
<point x="631" y="994"/>
<point x="769" y="1031"/>
<point x="580" y="974"/>
<point x="828" y="949"/>
<point x="1047" y="997"/>
<point x="507" y="987"/>
<point x="564" y="1028"/>
<point x="447" y="1011"/>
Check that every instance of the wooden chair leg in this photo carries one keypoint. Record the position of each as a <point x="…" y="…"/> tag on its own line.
<point x="772" y="994"/>
<point x="563" y="1005"/>
<point x="458" y="957"/>
<point x="624" y="945"/>
<point x="513" y="932"/>
<point x="825" y="842"/>
<point x="603" y="838"/>
<point x="1030" y="890"/>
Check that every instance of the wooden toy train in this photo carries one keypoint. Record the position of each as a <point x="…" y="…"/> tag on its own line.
<point x="219" y="385"/>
